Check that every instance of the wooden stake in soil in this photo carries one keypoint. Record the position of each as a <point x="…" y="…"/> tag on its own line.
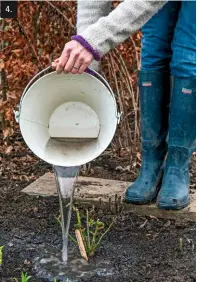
<point x="81" y="244"/>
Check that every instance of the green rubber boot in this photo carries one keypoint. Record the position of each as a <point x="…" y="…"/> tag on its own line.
<point x="154" y="89"/>
<point x="174" y="193"/>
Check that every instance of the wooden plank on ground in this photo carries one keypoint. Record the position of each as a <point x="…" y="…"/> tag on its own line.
<point x="108" y="194"/>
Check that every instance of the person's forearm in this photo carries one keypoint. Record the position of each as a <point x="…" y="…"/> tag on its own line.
<point x="116" y="27"/>
<point x="88" y="13"/>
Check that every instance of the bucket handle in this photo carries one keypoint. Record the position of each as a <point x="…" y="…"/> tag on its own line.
<point x="48" y="70"/>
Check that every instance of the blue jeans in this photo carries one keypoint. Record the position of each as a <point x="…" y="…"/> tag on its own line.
<point x="169" y="40"/>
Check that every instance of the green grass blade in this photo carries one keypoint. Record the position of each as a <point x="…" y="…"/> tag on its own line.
<point x="72" y="239"/>
<point x="1" y="254"/>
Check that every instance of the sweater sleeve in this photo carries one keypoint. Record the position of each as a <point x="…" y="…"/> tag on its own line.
<point x="88" y="13"/>
<point x="110" y="30"/>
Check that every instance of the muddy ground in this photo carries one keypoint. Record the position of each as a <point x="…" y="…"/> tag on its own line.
<point x="139" y="248"/>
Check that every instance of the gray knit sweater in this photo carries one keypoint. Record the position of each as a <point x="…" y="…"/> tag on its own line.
<point x="104" y="28"/>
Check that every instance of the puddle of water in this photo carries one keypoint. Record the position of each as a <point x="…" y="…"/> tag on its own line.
<point x="50" y="266"/>
<point x="65" y="179"/>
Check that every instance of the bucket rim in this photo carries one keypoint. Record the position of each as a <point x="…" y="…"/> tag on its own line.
<point x="104" y="82"/>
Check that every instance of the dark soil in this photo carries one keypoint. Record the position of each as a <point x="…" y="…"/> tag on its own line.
<point x="139" y="248"/>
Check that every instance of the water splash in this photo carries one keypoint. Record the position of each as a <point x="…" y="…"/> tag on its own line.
<point x="50" y="266"/>
<point x="65" y="178"/>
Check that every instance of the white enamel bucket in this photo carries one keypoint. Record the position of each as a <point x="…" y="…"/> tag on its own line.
<point x="65" y="119"/>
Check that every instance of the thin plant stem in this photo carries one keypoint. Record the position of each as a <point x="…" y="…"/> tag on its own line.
<point x="88" y="230"/>
<point x="94" y="236"/>
<point x="101" y="237"/>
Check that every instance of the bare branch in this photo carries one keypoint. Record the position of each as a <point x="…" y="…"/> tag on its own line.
<point x="58" y="10"/>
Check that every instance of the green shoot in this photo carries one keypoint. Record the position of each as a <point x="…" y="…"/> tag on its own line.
<point x="92" y="233"/>
<point x="58" y="218"/>
<point x="24" y="278"/>
<point x="1" y="255"/>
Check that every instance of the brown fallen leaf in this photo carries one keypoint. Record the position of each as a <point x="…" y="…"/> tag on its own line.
<point x="8" y="150"/>
<point x="7" y="132"/>
<point x="2" y="65"/>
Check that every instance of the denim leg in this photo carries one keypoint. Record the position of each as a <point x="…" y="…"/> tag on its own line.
<point x="157" y="38"/>
<point x="183" y="62"/>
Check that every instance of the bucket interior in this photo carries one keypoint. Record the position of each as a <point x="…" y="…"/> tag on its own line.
<point x="48" y="94"/>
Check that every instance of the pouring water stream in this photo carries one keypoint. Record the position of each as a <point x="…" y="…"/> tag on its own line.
<point x="65" y="179"/>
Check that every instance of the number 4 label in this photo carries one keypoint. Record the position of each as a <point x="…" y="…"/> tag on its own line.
<point x="8" y="9"/>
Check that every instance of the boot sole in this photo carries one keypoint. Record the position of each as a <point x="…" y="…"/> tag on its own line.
<point x="173" y="207"/>
<point x="138" y="201"/>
